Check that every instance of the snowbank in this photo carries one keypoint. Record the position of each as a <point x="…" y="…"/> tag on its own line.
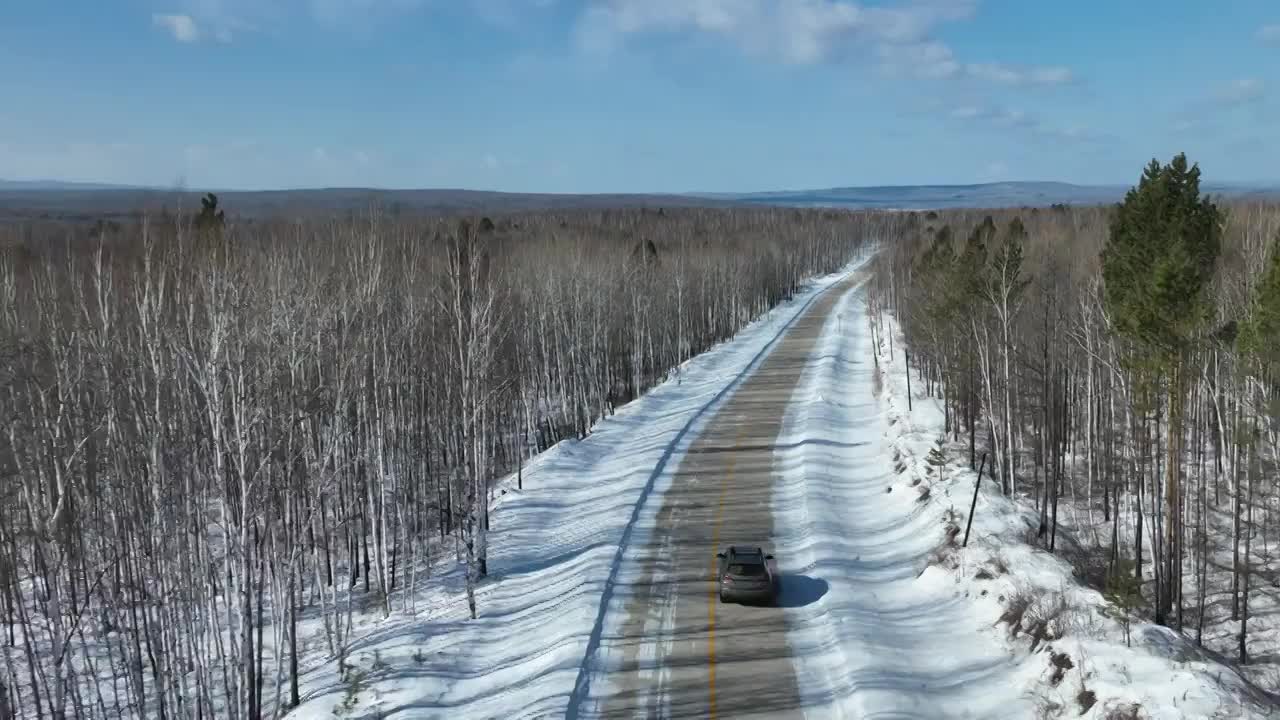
<point x="1067" y="640"/>
<point x="878" y="639"/>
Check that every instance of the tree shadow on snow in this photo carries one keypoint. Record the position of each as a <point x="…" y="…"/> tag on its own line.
<point x="796" y="591"/>
<point x="1169" y="644"/>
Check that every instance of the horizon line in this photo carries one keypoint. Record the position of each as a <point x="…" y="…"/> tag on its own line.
<point x="99" y="186"/>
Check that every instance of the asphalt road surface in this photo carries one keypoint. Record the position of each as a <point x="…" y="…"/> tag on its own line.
<point x="686" y="655"/>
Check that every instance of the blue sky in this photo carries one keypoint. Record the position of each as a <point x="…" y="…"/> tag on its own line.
<point x="634" y="95"/>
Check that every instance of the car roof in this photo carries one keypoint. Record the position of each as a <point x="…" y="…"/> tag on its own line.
<point x="746" y="552"/>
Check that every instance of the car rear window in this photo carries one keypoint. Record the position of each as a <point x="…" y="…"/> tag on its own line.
<point x="746" y="570"/>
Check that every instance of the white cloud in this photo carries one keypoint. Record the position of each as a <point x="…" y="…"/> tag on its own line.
<point x="899" y="33"/>
<point x="1074" y="132"/>
<point x="220" y="20"/>
<point x="1008" y="119"/>
<point x="1054" y="75"/>
<point x="183" y="28"/>
<point x="803" y="32"/>
<point x="1007" y="75"/>
<point x="1013" y="118"/>
<point x="1240" y="92"/>
<point x="994" y="72"/>
<point x="937" y="61"/>
<point x="223" y="20"/>
<point x="508" y="13"/>
<point x="1201" y="115"/>
<point x="795" y="31"/>
<point x="1270" y="34"/>
<point x="930" y="60"/>
<point x="1002" y="117"/>
<point x="332" y="12"/>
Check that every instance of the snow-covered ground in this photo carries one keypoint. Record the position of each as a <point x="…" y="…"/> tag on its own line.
<point x="1067" y="644"/>
<point x="1082" y="520"/>
<point x="892" y="617"/>
<point x="556" y="550"/>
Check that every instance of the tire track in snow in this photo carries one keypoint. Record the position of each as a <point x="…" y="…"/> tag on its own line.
<point x="713" y="595"/>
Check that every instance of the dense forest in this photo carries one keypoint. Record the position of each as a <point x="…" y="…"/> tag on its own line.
<point x="214" y="428"/>
<point x="1121" y="365"/>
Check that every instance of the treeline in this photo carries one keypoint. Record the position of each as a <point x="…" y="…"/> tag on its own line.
<point x="1124" y="359"/>
<point x="213" y="431"/>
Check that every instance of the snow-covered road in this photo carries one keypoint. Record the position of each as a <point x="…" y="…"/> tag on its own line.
<point x="684" y="654"/>
<point x="798" y="459"/>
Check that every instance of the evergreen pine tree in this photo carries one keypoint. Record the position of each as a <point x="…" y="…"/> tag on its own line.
<point x="1260" y="332"/>
<point x="1159" y="258"/>
<point x="1259" y="337"/>
<point x="210" y="217"/>
<point x="1164" y="241"/>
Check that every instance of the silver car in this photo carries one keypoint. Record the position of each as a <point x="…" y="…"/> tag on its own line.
<point x="747" y="574"/>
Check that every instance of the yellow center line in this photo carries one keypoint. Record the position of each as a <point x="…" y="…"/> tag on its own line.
<point x="714" y="597"/>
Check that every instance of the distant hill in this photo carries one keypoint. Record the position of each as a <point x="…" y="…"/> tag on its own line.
<point x="913" y="197"/>
<point x="985" y="195"/>
<point x="87" y="203"/>
<point x="53" y="185"/>
<point x="70" y="200"/>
